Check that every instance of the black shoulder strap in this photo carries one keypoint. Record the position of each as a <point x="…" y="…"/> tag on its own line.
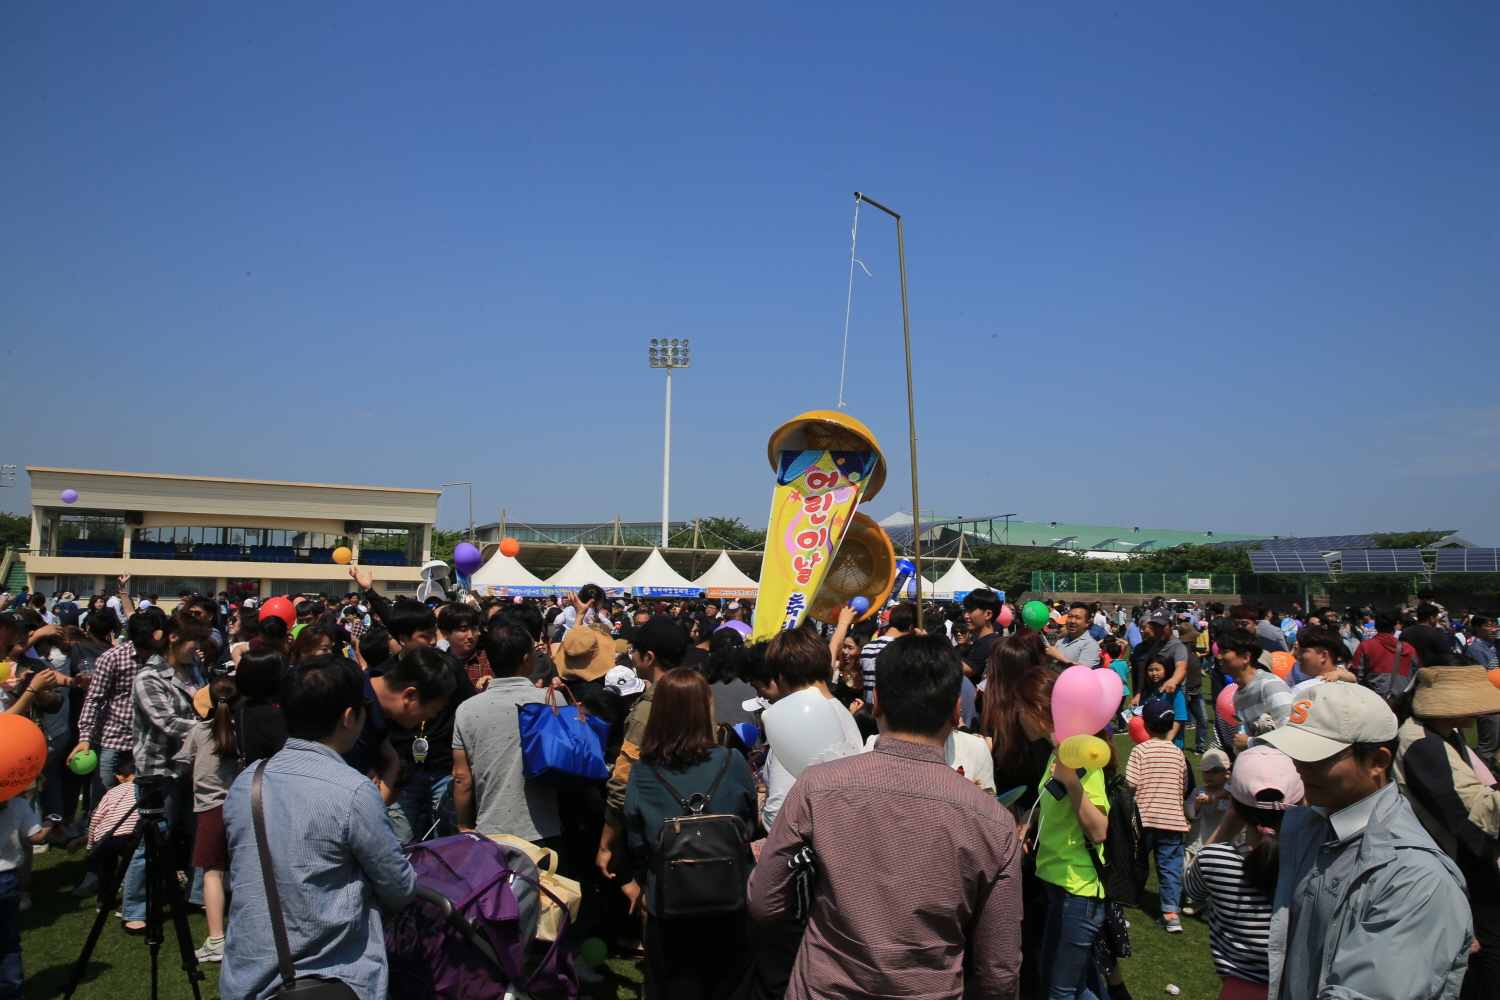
<point x="268" y="872"/>
<point x="688" y="806"/>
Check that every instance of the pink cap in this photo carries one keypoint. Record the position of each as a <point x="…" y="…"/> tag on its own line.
<point x="1266" y="778"/>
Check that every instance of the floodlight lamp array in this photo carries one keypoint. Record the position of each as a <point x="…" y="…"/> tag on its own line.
<point x="670" y="354"/>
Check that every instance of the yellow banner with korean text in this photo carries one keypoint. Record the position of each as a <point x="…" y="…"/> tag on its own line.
<point x="826" y="464"/>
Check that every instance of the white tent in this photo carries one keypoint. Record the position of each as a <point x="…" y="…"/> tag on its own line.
<point x="657" y="579"/>
<point x="958" y="581"/>
<point x="725" y="579"/>
<point x="504" y="576"/>
<point x="951" y="586"/>
<point x="579" y="570"/>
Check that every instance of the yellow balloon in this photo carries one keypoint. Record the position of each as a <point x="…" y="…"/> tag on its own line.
<point x="342" y="554"/>
<point x="4" y="671"/>
<point x="1083" y="751"/>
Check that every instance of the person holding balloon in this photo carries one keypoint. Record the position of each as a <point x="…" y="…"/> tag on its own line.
<point x="1258" y="700"/>
<point x="1072" y="824"/>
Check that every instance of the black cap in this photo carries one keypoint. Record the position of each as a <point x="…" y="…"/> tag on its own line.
<point x="661" y="635"/>
<point x="17" y="621"/>
<point x="1158" y="713"/>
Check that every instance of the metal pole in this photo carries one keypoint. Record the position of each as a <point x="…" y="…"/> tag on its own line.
<point x="911" y="406"/>
<point x="471" y="508"/>
<point x="666" y="463"/>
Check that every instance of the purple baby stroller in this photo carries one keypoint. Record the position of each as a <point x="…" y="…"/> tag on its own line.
<point x="465" y="935"/>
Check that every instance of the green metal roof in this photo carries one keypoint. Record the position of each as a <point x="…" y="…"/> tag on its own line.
<point x="1101" y="538"/>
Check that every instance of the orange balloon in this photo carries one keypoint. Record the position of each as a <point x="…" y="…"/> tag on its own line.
<point x="342" y="555"/>
<point x="23" y="753"/>
<point x="1494" y="676"/>
<point x="510" y="547"/>
<point x="1281" y="664"/>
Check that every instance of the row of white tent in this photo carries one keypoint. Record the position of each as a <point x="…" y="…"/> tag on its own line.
<point x="504" y="576"/>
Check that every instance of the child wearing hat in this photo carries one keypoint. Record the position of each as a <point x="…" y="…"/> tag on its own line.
<point x="1455" y="799"/>
<point x="1205" y="808"/>
<point x="1157" y="770"/>
<point x="1239" y="880"/>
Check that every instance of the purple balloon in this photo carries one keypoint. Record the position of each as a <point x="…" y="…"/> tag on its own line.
<point x="467" y="558"/>
<point x="69" y="496"/>
<point x="860" y="605"/>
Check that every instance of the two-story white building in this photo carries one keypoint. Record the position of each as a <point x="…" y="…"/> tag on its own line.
<point x="244" y="536"/>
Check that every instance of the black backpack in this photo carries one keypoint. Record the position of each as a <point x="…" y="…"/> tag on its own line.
<point x="700" y="857"/>
<point x="1126" y="860"/>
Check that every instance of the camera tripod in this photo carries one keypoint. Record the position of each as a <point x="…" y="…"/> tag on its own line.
<point x="162" y="888"/>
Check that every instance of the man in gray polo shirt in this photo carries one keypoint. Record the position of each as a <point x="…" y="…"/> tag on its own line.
<point x="1076" y="645"/>
<point x="490" y="793"/>
<point x="1367" y="904"/>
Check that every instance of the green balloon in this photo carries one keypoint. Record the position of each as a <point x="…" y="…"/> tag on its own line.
<point x="594" y="951"/>
<point x="84" y="763"/>
<point x="1035" y="615"/>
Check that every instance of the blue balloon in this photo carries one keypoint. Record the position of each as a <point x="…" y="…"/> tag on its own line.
<point x="906" y="567"/>
<point x="860" y="604"/>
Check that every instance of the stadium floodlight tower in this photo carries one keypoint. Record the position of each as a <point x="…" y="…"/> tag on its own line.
<point x="668" y="354"/>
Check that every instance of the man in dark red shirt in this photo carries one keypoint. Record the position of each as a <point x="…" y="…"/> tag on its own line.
<point x="915" y="873"/>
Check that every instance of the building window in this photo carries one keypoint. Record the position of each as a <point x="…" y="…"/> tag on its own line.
<point x="389" y="545"/>
<point x="235" y="544"/>
<point x="333" y="588"/>
<point x="86" y="536"/>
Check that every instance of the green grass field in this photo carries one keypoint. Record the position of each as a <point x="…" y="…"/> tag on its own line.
<point x="53" y="933"/>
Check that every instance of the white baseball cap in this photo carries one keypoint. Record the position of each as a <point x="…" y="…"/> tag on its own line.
<point x="624" y="680"/>
<point x="1331" y="717"/>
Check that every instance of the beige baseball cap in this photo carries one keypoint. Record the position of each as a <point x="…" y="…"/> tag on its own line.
<point x="1329" y="718"/>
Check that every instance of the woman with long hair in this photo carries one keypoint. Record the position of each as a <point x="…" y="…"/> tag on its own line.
<point x="210" y="750"/>
<point x="700" y="957"/>
<point x="1011" y="658"/>
<point x="1241" y="880"/>
<point x="259" y="726"/>
<point x="242" y="630"/>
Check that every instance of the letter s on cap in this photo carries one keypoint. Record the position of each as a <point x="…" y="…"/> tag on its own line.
<point x="1299" y="712"/>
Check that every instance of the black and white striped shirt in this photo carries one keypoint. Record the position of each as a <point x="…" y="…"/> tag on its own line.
<point x="1239" y="920"/>
<point x="867" y="657"/>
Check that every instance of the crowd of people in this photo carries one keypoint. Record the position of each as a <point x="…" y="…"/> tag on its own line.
<point x="1340" y="837"/>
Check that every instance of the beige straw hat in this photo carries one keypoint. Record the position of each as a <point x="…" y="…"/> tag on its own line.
<point x="1454" y="692"/>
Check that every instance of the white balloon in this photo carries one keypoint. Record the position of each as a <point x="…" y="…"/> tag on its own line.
<point x="804" y="729"/>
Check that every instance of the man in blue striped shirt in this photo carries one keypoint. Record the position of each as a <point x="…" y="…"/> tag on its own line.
<point x="337" y="862"/>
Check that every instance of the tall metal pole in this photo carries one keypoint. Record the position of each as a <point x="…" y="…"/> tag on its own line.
<point x="668" y="354"/>
<point x="911" y="405"/>
<point x="666" y="463"/>
<point x="471" y="508"/>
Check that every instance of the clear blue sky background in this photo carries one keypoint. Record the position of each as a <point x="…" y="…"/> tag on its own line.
<point x="1220" y="267"/>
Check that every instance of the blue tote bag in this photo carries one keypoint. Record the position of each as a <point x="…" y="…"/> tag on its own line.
<point x="562" y="746"/>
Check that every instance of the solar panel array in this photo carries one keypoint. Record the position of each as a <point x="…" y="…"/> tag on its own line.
<point x="1382" y="561"/>
<point x="1468" y="560"/>
<point x="1299" y="561"/>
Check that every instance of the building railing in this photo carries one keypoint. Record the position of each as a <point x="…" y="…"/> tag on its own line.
<point x="1047" y="582"/>
<point x="82" y="548"/>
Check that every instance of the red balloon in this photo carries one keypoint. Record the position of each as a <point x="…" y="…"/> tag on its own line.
<point x="281" y="608"/>
<point x="23" y="753"/>
<point x="1006" y="616"/>
<point x="1138" y="729"/>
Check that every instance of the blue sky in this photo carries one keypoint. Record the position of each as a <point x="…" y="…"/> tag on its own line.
<point x="1219" y="267"/>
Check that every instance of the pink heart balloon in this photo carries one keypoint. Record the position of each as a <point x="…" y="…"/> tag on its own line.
<point x="1112" y="687"/>
<point x="1078" y="703"/>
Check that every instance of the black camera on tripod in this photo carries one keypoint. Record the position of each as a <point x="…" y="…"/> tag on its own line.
<point x="151" y="794"/>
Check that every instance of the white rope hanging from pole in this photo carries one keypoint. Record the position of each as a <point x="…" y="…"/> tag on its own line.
<point x="849" y="301"/>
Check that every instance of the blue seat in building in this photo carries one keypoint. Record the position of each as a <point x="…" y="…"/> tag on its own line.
<point x="153" y="550"/>
<point x="323" y="556"/>
<point x="219" y="553"/>
<point x="377" y="557"/>
<point x="273" y="553"/>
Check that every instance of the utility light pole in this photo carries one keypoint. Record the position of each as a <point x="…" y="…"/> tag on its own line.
<point x="471" y="508"/>
<point x="668" y="354"/>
